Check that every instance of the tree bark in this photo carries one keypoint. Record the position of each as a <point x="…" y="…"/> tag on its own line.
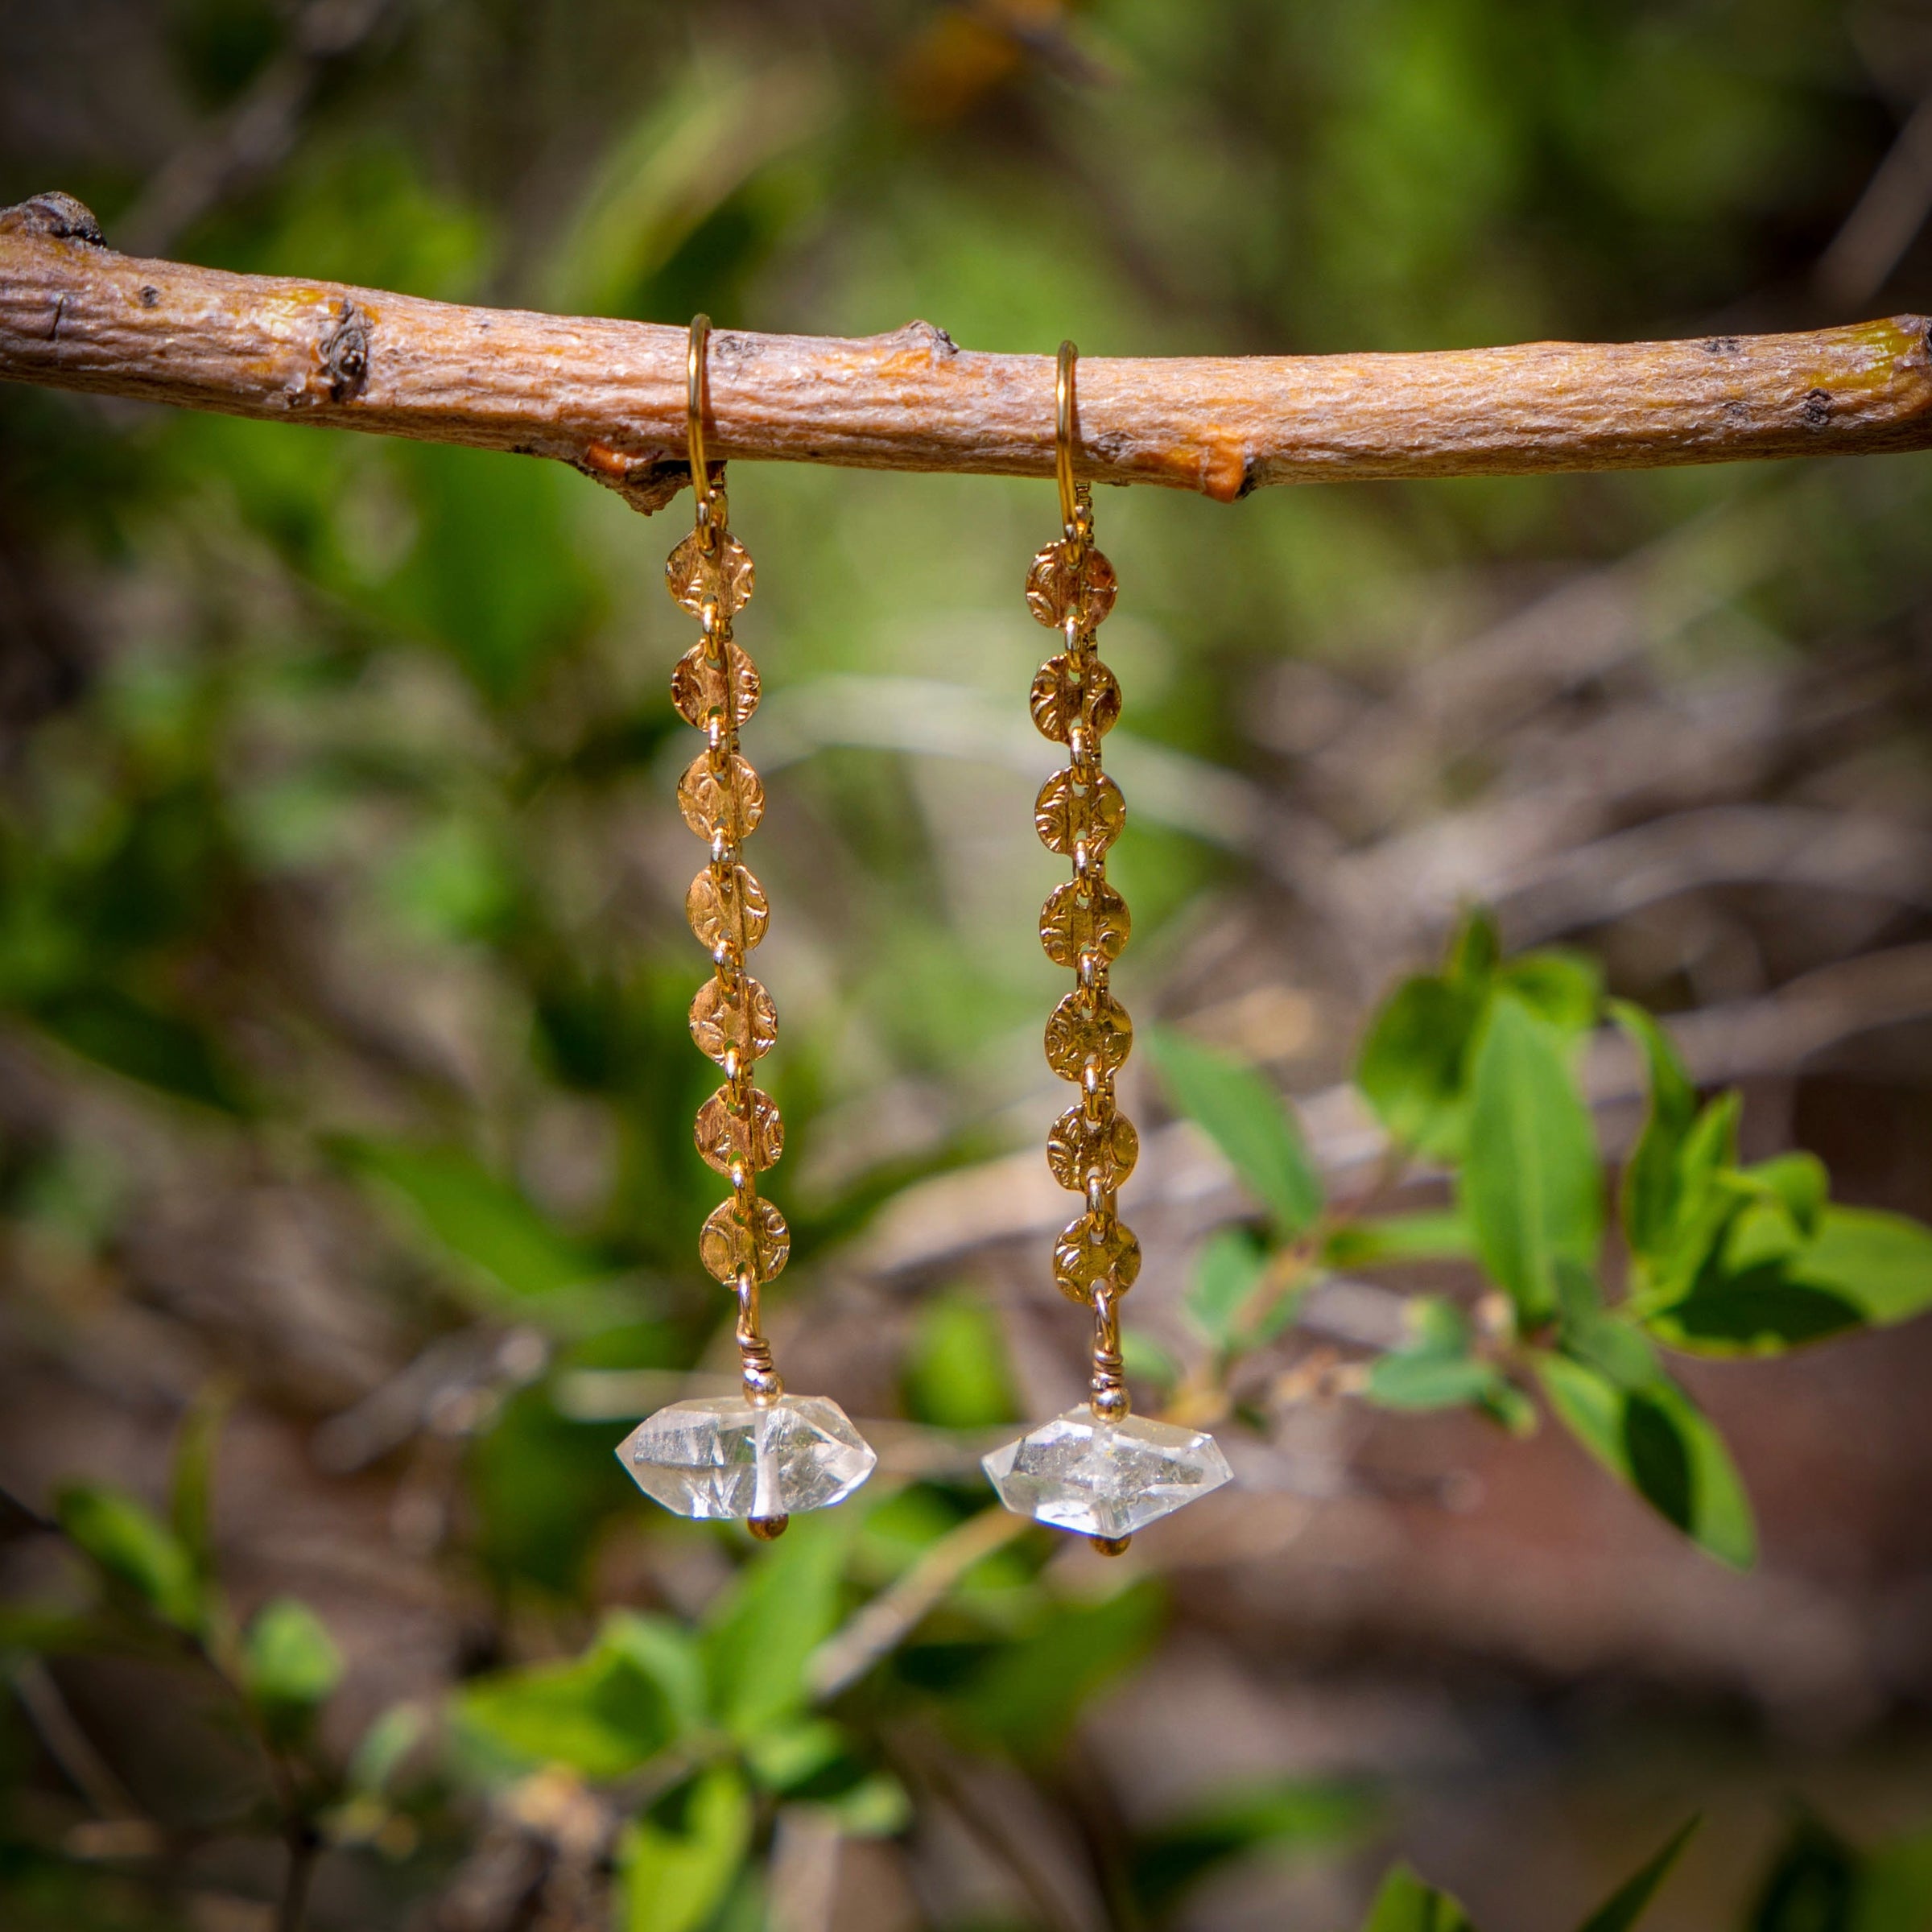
<point x="607" y="396"/>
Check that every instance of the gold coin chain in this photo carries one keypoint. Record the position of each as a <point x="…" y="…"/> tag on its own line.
<point x="1084" y="926"/>
<point x="745" y="1242"/>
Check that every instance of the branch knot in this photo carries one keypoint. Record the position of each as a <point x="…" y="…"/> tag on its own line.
<point x="59" y="217"/>
<point x="344" y="351"/>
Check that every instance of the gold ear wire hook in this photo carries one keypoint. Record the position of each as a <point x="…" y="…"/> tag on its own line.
<point x="1063" y="436"/>
<point x="694" y="429"/>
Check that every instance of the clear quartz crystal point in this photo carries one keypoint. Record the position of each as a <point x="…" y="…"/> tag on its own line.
<point x="1104" y="1479"/>
<point x="722" y="1456"/>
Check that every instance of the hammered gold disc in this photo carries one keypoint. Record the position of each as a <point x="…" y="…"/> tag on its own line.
<point x="730" y="1243"/>
<point x="1093" y="1250"/>
<point x="1087" y="1026"/>
<point x="1084" y="915"/>
<point x="1057" y="587"/>
<point x="1071" y="811"/>
<point x="723" y="1137"/>
<point x="691" y="574"/>
<point x="731" y="802"/>
<point x="1078" y="1149"/>
<point x="699" y="688"/>
<point x="734" y="914"/>
<point x="1068" y="691"/>
<point x="744" y="1019"/>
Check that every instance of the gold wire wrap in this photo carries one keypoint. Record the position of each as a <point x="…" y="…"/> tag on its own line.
<point x="1084" y="924"/>
<point x="1063" y="434"/>
<point x="694" y="402"/>
<point x="745" y="1242"/>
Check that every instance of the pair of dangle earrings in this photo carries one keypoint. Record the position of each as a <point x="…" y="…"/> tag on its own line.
<point x="1098" y="1470"/>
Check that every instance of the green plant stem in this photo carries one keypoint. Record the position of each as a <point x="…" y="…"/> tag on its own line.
<point x="291" y="1909"/>
<point x="284" y="1774"/>
<point x="1287" y="1267"/>
<point x="1095" y="1818"/>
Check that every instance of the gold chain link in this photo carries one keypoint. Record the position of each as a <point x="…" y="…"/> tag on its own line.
<point x="1084" y="923"/>
<point x="745" y="1242"/>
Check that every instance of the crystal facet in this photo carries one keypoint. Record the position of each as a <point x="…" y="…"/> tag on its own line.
<point x="723" y="1456"/>
<point x="1104" y="1479"/>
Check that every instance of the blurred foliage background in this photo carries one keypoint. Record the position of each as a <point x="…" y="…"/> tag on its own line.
<point x="347" y="1196"/>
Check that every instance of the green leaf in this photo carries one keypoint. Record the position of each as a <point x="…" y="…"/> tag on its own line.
<point x="814" y="1762"/>
<point x="1032" y="1690"/>
<point x="139" y="1552"/>
<point x="1436" y="1326"/>
<point x="191" y="1481"/>
<point x="1225" y="1276"/>
<point x="1761" y="1233"/>
<point x="1146" y="1360"/>
<point x="38" y="1630"/>
<point x="1797" y="1182"/>
<point x="1433" y="1369"/>
<point x="1530" y="1186"/>
<point x="1880" y="1263"/>
<point x="1251" y="1124"/>
<point x="1579" y="1297"/>
<point x="450" y="880"/>
<point x="1655" y="1439"/>
<point x="1401" y="1237"/>
<point x="1414" y="1066"/>
<point x="379" y="1750"/>
<point x="138" y="1041"/>
<point x="635" y="1691"/>
<point x="1759" y="1311"/>
<point x="1812" y="1886"/>
<point x="472" y="1217"/>
<point x="1895" y="1888"/>
<point x="1429" y="1381"/>
<point x="1760" y="1293"/>
<point x="1404" y="1904"/>
<point x="492" y="572"/>
<point x="677" y="1861"/>
<point x="1509" y="1408"/>
<point x="1168" y="1863"/>
<point x="877" y="1806"/>
<point x="1613" y="1348"/>
<point x="1591" y="1334"/>
<point x="1705" y="1201"/>
<point x="1651" y="1175"/>
<point x="1474" y="947"/>
<point x="785" y="1603"/>
<point x="955" y="1368"/>
<point x="1564" y="989"/>
<point x="1625" y="1906"/>
<point x="289" y="1661"/>
<point x="1710" y="1150"/>
<point x="792" y="1754"/>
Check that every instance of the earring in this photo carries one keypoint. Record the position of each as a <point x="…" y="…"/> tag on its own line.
<point x="764" y="1455"/>
<point x="1099" y="1471"/>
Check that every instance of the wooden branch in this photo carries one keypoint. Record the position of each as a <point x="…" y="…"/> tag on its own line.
<point x="607" y="396"/>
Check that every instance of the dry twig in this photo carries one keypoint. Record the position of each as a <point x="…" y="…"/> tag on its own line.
<point x="607" y="396"/>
